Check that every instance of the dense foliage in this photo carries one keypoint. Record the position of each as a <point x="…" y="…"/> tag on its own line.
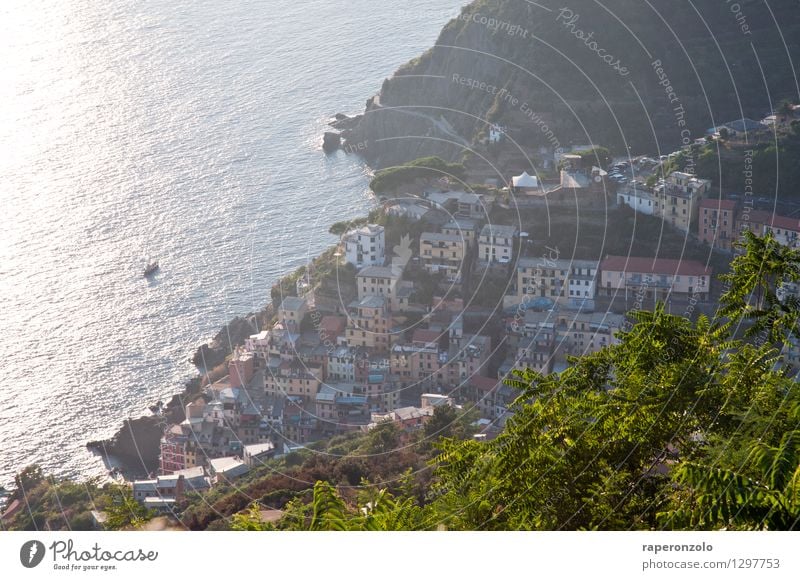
<point x="389" y="179"/>
<point x="60" y="504"/>
<point x="772" y="165"/>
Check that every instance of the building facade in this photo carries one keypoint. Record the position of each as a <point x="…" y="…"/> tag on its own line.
<point x="496" y="243"/>
<point x="677" y="199"/>
<point x="365" y="246"/>
<point x="716" y="225"/>
<point x="443" y="253"/>
<point x="655" y="278"/>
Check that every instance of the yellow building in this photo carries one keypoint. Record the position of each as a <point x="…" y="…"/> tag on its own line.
<point x="294" y="380"/>
<point x="378" y="281"/>
<point x="562" y="281"/>
<point x="368" y="324"/>
<point x="677" y="199"/>
<point x="443" y="253"/>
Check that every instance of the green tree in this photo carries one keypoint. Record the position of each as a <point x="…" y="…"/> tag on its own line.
<point x="26" y="480"/>
<point x="769" y="500"/>
<point x="447" y="422"/>
<point x="647" y="432"/>
<point x="383" y="438"/>
<point x="249" y="520"/>
<point x="754" y="283"/>
<point x="123" y="511"/>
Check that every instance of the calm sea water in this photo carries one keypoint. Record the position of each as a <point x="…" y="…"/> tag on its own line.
<point x="187" y="130"/>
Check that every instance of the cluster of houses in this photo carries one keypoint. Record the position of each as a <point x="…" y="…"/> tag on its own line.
<point x="676" y="200"/>
<point x="682" y="201"/>
<point x="722" y="221"/>
<point x="315" y="374"/>
<point x="323" y="368"/>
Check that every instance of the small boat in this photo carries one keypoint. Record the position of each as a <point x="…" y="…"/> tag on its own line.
<point x="151" y="269"/>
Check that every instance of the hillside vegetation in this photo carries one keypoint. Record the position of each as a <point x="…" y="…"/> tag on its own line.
<point x="541" y="71"/>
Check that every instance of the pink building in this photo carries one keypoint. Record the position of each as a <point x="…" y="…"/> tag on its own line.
<point x="716" y="225"/>
<point x="241" y="369"/>
<point x="173" y="450"/>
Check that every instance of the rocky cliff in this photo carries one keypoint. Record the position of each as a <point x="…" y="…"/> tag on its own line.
<point x="647" y="75"/>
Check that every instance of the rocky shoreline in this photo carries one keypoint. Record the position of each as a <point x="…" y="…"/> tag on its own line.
<point x="136" y="445"/>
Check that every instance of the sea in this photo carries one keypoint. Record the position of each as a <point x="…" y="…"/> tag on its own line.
<point x="183" y="131"/>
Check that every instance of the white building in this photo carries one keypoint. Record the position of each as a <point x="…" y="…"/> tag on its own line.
<point x="226" y="468"/>
<point x="496" y="243"/>
<point x="255" y="455"/>
<point x="342" y="365"/>
<point x="365" y="246"/>
<point x="786" y="230"/>
<point x="496" y="133"/>
<point x="637" y="198"/>
<point x="582" y="283"/>
<point x="258" y="344"/>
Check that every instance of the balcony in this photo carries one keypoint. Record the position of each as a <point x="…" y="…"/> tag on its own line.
<point x="637" y="281"/>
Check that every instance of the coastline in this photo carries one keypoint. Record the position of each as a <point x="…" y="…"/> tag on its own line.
<point x="135" y="448"/>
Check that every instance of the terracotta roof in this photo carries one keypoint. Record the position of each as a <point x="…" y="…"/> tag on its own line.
<point x="332" y="324"/>
<point x="768" y="218"/>
<point x="425" y="336"/>
<point x="755" y="216"/>
<point x="718" y="204"/>
<point x="784" y="222"/>
<point x="483" y="383"/>
<point x="654" y="266"/>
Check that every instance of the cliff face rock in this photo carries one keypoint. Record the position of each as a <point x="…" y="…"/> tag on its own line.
<point x="233" y="334"/>
<point x="645" y="75"/>
<point x="331" y="141"/>
<point x="136" y="444"/>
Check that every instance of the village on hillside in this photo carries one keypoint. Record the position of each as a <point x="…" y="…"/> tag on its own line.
<point x="441" y="295"/>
